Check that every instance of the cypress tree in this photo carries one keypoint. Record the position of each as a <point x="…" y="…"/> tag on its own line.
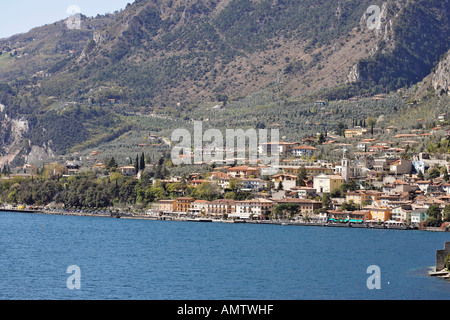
<point x="136" y="165"/>
<point x="142" y="163"/>
<point x="301" y="177"/>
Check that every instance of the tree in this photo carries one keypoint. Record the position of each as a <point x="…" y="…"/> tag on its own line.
<point x="206" y="191"/>
<point x="434" y="211"/>
<point x="142" y="162"/>
<point x="222" y="98"/>
<point x="269" y="185"/>
<point x="350" y="206"/>
<point x="341" y="128"/>
<point x="280" y="186"/>
<point x="327" y="203"/>
<point x="301" y="177"/>
<point x="111" y="165"/>
<point x="434" y="216"/>
<point x="321" y="139"/>
<point x="127" y="191"/>
<point x="371" y="122"/>
<point x="434" y="173"/>
<point x="136" y="164"/>
<point x="446" y="213"/>
<point x="285" y="210"/>
<point x="230" y="195"/>
<point x="155" y="192"/>
<point x="235" y="184"/>
<point x="420" y="175"/>
<point x="54" y="170"/>
<point x="445" y="174"/>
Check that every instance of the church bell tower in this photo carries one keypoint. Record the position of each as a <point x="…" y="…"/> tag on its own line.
<point x="345" y="166"/>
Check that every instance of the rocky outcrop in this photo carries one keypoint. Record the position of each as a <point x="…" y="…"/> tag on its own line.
<point x="13" y="143"/>
<point x="398" y="53"/>
<point x="12" y="132"/>
<point x="385" y="17"/>
<point x="441" y="77"/>
<point x="379" y="21"/>
<point x="354" y="74"/>
<point x="37" y="154"/>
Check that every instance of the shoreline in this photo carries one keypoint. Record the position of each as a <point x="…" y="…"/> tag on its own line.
<point x="209" y="220"/>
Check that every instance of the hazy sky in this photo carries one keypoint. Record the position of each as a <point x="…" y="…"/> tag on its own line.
<point x="18" y="16"/>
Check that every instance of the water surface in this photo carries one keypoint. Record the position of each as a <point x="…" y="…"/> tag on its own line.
<point x="165" y="260"/>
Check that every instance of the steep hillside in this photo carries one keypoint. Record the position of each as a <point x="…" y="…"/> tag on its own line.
<point x="45" y="50"/>
<point x="441" y="76"/>
<point x="160" y="53"/>
<point x="167" y="52"/>
<point x="412" y="38"/>
<point x="66" y="90"/>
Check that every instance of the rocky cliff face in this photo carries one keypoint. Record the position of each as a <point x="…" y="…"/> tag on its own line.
<point x="14" y="147"/>
<point x="12" y="132"/>
<point x="441" y="77"/>
<point x="379" y="21"/>
<point x="410" y="35"/>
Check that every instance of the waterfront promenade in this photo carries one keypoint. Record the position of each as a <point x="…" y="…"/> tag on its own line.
<point x="123" y="215"/>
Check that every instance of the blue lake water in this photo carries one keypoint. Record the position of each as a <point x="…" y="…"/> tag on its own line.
<point x="164" y="260"/>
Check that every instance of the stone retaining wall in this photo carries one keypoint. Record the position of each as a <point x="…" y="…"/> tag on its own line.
<point x="440" y="256"/>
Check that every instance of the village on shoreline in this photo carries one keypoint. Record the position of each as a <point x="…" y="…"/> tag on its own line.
<point x="374" y="184"/>
<point x="405" y="204"/>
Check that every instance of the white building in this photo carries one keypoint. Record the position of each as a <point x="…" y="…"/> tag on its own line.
<point x="400" y="213"/>
<point x="303" y="151"/>
<point x="304" y="192"/>
<point x="255" y="184"/>
<point x="288" y="181"/>
<point x="200" y="206"/>
<point x="256" y="208"/>
<point x="276" y="147"/>
<point x="327" y="183"/>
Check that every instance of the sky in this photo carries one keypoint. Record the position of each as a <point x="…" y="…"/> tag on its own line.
<point x="19" y="16"/>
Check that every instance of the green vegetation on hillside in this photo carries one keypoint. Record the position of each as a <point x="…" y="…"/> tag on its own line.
<point x="175" y="60"/>
<point x="192" y="47"/>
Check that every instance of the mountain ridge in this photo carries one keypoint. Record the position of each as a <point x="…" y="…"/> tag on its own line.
<point x="170" y="56"/>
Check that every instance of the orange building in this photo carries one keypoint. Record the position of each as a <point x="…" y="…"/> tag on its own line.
<point x="363" y="197"/>
<point x="166" y="205"/>
<point x="379" y="213"/>
<point x="243" y="172"/>
<point x="183" y="204"/>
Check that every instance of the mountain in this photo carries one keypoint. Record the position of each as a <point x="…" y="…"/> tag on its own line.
<point x="441" y="77"/>
<point x="76" y="88"/>
<point x="162" y="53"/>
<point x="45" y="50"/>
<point x="165" y="52"/>
<point x="410" y="42"/>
